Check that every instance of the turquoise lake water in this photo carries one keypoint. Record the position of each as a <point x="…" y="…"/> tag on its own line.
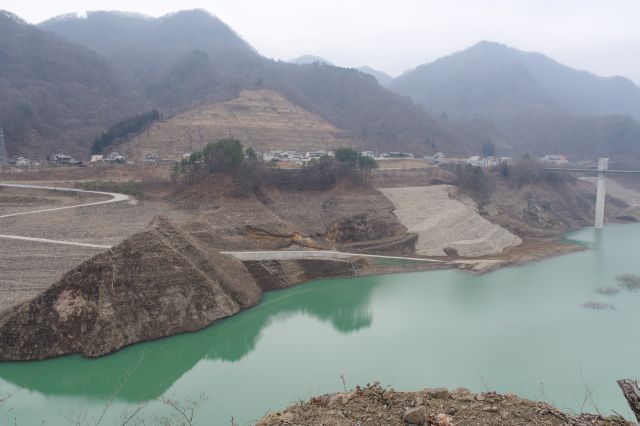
<point x="521" y="330"/>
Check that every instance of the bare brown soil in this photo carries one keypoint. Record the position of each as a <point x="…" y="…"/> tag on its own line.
<point x="377" y="406"/>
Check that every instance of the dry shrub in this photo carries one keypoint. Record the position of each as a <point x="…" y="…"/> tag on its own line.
<point x="629" y="282"/>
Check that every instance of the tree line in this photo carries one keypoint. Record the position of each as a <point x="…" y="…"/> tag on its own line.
<point x="228" y="157"/>
<point x="136" y="124"/>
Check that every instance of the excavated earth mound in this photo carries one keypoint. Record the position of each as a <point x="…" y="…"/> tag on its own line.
<point x="375" y="406"/>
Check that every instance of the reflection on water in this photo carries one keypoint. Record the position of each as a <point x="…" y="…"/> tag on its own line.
<point x="520" y="330"/>
<point x="165" y="361"/>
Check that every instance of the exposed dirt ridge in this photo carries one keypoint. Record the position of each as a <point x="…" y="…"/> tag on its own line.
<point x="376" y="406"/>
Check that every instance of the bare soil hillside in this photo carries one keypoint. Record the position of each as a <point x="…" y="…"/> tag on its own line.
<point x="262" y="119"/>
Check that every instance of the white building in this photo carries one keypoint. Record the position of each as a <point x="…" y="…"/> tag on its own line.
<point x="557" y="159"/>
<point x="115" y="157"/>
<point x="314" y="155"/>
<point x="23" y="162"/>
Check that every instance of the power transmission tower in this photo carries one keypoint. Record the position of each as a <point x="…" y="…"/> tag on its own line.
<point x="3" y="151"/>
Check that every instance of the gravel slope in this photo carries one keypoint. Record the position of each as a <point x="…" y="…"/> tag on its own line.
<point x="442" y="222"/>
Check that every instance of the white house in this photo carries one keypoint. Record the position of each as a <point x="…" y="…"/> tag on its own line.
<point x="115" y="157"/>
<point x="23" y="162"/>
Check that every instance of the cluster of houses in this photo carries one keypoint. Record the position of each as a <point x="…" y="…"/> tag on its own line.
<point x="474" y="160"/>
<point x="295" y="156"/>
<point x="304" y="157"/>
<point x="558" y="160"/>
<point x="114" y="157"/>
<point x="64" y="160"/>
<point x="478" y="161"/>
<point x="393" y="155"/>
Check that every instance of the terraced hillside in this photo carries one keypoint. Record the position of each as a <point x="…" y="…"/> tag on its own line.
<point x="262" y="119"/>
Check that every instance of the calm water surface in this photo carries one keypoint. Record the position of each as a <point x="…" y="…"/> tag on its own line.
<point x="520" y="330"/>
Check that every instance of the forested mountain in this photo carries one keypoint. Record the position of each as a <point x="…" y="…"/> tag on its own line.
<point x="537" y="104"/>
<point x="181" y="60"/>
<point x="54" y="94"/>
<point x="64" y="82"/>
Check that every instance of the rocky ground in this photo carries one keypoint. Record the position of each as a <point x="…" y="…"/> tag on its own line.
<point x="28" y="268"/>
<point x="551" y="207"/>
<point x="446" y="225"/>
<point x="374" y="405"/>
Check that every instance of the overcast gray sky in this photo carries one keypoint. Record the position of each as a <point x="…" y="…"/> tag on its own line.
<point x="602" y="36"/>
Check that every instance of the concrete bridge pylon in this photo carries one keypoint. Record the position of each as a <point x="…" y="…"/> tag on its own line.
<point x="603" y="165"/>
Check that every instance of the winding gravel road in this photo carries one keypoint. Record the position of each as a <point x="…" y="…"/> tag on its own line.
<point x="115" y="198"/>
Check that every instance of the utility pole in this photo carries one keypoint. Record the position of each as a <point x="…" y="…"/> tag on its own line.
<point x="3" y="151"/>
<point x="603" y="165"/>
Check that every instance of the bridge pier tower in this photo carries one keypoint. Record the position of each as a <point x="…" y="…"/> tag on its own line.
<point x="603" y="165"/>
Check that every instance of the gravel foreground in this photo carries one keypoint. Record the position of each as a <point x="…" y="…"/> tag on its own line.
<point x="374" y="405"/>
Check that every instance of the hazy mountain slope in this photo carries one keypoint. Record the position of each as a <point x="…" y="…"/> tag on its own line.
<point x="175" y="61"/>
<point x="577" y="136"/>
<point x="309" y="59"/>
<point x="490" y="78"/>
<point x="356" y="102"/>
<point x="53" y="93"/>
<point x="189" y="58"/>
<point x="383" y="78"/>
<point x="536" y="104"/>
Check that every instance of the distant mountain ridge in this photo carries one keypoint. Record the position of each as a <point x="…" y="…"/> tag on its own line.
<point x="492" y="76"/>
<point x="383" y="78"/>
<point x="528" y="95"/>
<point x="190" y="58"/>
<point x="65" y="81"/>
<point x="309" y="59"/>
